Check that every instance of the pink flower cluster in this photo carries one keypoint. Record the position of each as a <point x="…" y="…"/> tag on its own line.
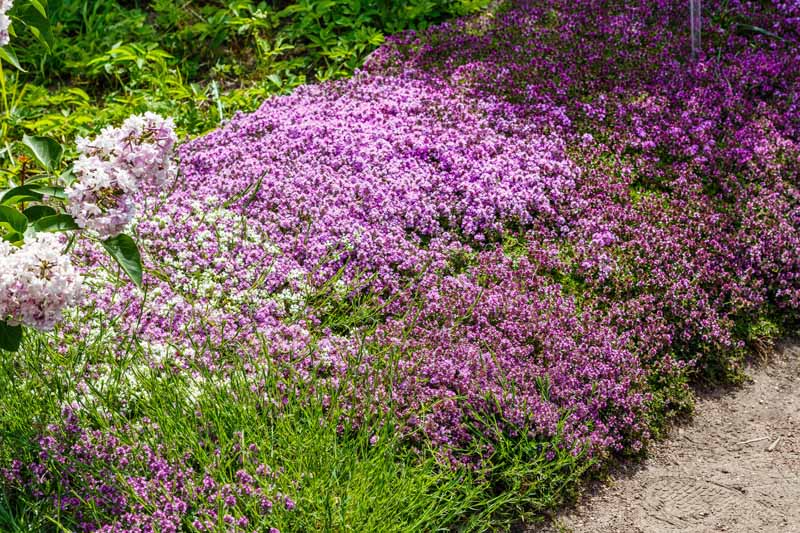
<point x="113" y="167"/>
<point x="37" y="282"/>
<point x="499" y="350"/>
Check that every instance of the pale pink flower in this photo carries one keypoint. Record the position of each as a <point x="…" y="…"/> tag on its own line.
<point x="37" y="282"/>
<point x="5" y="22"/>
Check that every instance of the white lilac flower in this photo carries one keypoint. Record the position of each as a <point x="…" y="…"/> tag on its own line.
<point x="147" y="143"/>
<point x="5" y="22"/>
<point x="6" y="278"/>
<point x="114" y="166"/>
<point x="101" y="198"/>
<point x="37" y="282"/>
<point x="103" y="146"/>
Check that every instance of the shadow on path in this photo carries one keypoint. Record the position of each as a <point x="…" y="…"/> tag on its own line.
<point x="734" y="468"/>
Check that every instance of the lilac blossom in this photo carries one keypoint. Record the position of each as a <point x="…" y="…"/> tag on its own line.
<point x="37" y="282"/>
<point x="5" y="21"/>
<point x="145" y="144"/>
<point x="101" y="199"/>
<point x="115" y="167"/>
<point x="142" y="146"/>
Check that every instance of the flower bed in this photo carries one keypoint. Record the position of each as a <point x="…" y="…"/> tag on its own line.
<point x="536" y="226"/>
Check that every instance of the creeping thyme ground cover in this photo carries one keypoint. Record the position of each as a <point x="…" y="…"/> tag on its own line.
<point x="434" y="295"/>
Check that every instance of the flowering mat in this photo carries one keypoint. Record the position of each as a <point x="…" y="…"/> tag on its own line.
<point x="499" y="254"/>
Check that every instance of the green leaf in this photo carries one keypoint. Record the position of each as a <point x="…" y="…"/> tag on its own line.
<point x="35" y="212"/>
<point x="125" y="252"/>
<point x="67" y="177"/>
<point x="749" y="28"/>
<point x="23" y="193"/>
<point x="53" y="223"/>
<point x="46" y="150"/>
<point x="10" y="337"/>
<point x="53" y="192"/>
<point x="13" y="218"/>
<point x="37" y="23"/>
<point x="39" y="7"/>
<point x="7" y="54"/>
<point x="14" y="236"/>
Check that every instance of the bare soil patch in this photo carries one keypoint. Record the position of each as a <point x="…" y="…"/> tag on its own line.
<point x="734" y="468"/>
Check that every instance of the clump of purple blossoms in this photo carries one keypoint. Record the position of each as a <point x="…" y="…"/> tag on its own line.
<point x="138" y="488"/>
<point x="501" y="339"/>
<point x="457" y="140"/>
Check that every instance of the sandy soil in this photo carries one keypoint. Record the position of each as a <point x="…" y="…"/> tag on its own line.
<point x="734" y="468"/>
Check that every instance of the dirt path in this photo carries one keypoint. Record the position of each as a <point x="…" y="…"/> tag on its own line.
<point x="735" y="468"/>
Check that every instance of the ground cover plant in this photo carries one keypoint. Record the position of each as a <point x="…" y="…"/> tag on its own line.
<point x="434" y="295"/>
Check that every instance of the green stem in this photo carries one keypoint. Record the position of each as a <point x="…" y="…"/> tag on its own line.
<point x="6" y="110"/>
